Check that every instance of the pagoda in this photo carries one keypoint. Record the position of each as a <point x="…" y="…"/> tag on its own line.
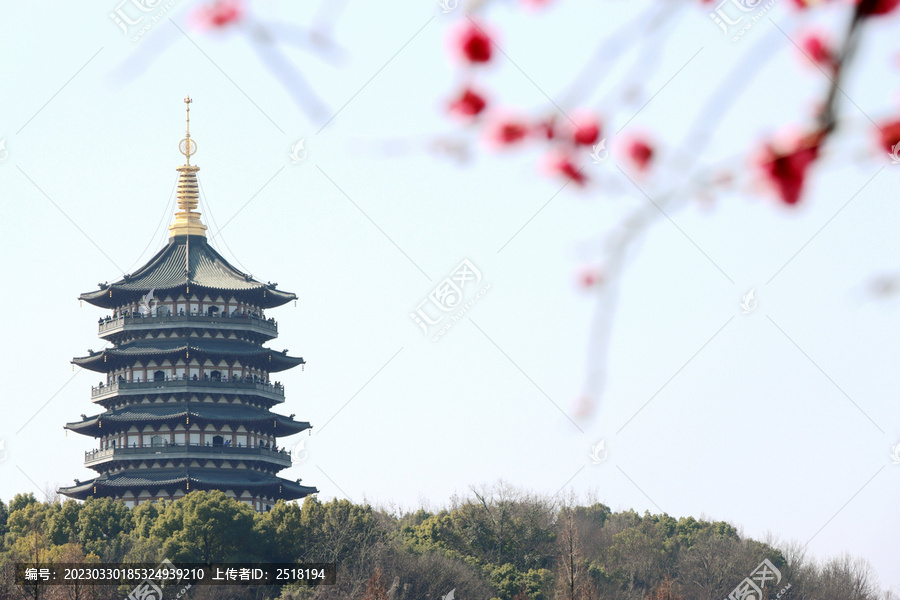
<point x="186" y="390"/>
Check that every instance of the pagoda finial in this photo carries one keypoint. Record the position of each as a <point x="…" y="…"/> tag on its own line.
<point x="187" y="222"/>
<point x="187" y="146"/>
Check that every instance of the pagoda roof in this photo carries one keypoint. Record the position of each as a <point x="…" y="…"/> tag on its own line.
<point x="109" y="358"/>
<point x="202" y="412"/>
<point x="187" y="260"/>
<point x="200" y="479"/>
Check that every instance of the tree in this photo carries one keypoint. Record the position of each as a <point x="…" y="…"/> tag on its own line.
<point x="573" y="582"/>
<point x="20" y="501"/>
<point x="62" y="525"/>
<point x="282" y="532"/>
<point x="666" y="590"/>
<point x="206" y="527"/>
<point x="4" y="515"/>
<point x="375" y="587"/>
<point x="101" y="523"/>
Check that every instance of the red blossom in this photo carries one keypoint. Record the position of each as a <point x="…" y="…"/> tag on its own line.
<point x="471" y="43"/>
<point x="808" y="3"/>
<point x="818" y="48"/>
<point x="585" y="129"/>
<point x="562" y="163"/>
<point x="467" y="104"/>
<point x="535" y="4"/>
<point x="877" y="7"/>
<point x="546" y="128"/>
<point x="640" y="152"/>
<point x="503" y="131"/>
<point x="589" y="276"/>
<point x="786" y="169"/>
<point x="220" y="13"/>
<point x="890" y="135"/>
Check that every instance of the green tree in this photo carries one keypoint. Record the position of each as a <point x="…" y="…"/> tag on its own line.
<point x="339" y="529"/>
<point x="21" y="501"/>
<point x="27" y="518"/>
<point x="143" y="516"/>
<point x="4" y="516"/>
<point x="101" y="525"/>
<point x="206" y="527"/>
<point x="282" y="532"/>
<point x="62" y="524"/>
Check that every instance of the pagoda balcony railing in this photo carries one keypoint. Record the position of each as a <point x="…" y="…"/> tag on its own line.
<point x="93" y="457"/>
<point x="111" y="324"/>
<point x="271" y="389"/>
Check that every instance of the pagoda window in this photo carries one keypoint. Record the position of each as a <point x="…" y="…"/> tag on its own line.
<point x="132" y="440"/>
<point x="179" y="439"/>
<point x="241" y="440"/>
<point x="195" y="439"/>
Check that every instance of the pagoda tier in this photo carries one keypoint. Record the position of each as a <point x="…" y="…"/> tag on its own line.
<point x="153" y="484"/>
<point x="116" y="422"/>
<point x="256" y="391"/>
<point x="186" y="393"/>
<point x="218" y="350"/>
<point x="126" y="327"/>
<point x="188" y="262"/>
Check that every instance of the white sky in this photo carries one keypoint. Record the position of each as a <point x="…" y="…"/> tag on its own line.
<point x="749" y="430"/>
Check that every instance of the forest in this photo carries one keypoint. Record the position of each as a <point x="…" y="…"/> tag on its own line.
<point x="497" y="542"/>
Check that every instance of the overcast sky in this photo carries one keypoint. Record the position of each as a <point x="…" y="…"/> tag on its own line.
<point x="781" y="420"/>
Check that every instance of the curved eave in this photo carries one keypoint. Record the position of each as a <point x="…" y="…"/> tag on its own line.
<point x="199" y="479"/>
<point x="80" y="491"/>
<point x="84" y="427"/>
<point x="264" y="296"/>
<point x="92" y="426"/>
<point x="108" y="360"/>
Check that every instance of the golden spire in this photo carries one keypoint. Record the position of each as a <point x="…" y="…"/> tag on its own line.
<point x="187" y="222"/>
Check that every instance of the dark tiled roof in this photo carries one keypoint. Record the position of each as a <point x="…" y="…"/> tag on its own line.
<point x="203" y="412"/>
<point x="224" y="479"/>
<point x="169" y="269"/>
<point x="274" y="361"/>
